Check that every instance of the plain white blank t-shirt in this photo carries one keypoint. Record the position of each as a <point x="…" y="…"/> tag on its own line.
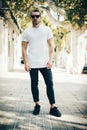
<point x="38" y="54"/>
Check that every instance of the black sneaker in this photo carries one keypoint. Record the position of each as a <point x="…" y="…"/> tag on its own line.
<point x="36" y="110"/>
<point x="55" y="112"/>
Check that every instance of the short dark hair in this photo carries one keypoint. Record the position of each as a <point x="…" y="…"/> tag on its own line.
<point x="35" y="10"/>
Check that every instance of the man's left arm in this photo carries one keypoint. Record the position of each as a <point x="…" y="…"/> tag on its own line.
<point x="51" y="52"/>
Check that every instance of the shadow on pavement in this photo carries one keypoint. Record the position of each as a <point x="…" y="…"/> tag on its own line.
<point x="16" y="106"/>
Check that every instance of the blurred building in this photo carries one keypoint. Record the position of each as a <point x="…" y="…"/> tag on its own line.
<point x="76" y="51"/>
<point x="9" y="39"/>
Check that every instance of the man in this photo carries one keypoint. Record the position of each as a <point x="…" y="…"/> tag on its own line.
<point x="40" y="55"/>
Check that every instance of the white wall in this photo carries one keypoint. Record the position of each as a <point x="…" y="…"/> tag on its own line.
<point x="3" y="46"/>
<point x="9" y="46"/>
<point x="82" y="43"/>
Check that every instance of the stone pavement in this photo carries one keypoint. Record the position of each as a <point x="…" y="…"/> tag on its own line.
<point x="16" y="102"/>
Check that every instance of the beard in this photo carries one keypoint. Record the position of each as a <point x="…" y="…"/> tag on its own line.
<point x="35" y="22"/>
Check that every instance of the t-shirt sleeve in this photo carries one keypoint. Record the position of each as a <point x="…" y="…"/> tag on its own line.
<point x="49" y="34"/>
<point x="24" y="37"/>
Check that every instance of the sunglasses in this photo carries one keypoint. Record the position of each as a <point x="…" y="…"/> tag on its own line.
<point x="33" y="16"/>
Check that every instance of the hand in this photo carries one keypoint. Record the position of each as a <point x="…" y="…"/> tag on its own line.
<point x="49" y="64"/>
<point x="27" y="67"/>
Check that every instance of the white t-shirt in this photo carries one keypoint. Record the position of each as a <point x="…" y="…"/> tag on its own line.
<point x="38" y="54"/>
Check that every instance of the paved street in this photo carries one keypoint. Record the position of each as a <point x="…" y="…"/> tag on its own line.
<point x="16" y="102"/>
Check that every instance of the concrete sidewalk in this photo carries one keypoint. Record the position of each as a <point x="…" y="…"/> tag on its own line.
<point x="16" y="102"/>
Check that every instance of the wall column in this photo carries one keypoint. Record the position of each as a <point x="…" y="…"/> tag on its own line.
<point x="3" y="46"/>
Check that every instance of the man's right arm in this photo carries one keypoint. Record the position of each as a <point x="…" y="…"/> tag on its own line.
<point x="24" y="54"/>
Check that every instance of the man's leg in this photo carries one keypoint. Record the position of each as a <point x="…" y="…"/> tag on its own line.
<point x="34" y="84"/>
<point x="34" y="90"/>
<point x="47" y="74"/>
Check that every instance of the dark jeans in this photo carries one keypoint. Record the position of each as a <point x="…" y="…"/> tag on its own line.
<point x="47" y="75"/>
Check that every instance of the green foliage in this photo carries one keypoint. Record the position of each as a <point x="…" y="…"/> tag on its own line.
<point x="46" y="21"/>
<point x="60" y="35"/>
<point x="76" y="10"/>
<point x="21" y="10"/>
